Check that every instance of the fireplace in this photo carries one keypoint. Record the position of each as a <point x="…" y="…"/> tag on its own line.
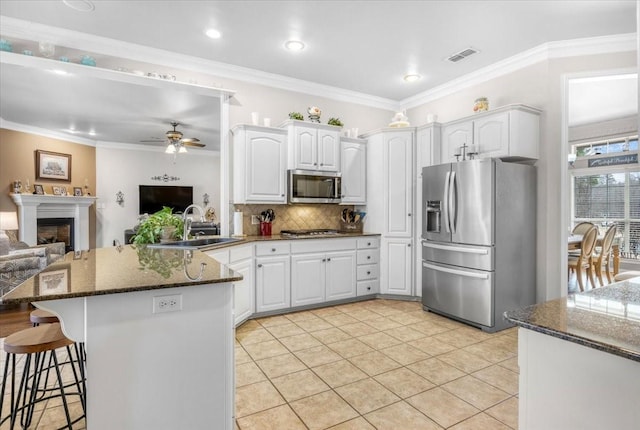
<point x="52" y="230"/>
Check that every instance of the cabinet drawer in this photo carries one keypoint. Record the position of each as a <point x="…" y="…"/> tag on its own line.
<point x="322" y="245"/>
<point x="238" y="253"/>
<point x="272" y="248"/>
<point x="368" y="242"/>
<point x="368" y="287"/>
<point x="367" y="271"/>
<point x="368" y="256"/>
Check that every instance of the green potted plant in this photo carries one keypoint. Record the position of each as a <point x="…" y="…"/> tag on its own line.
<point x="335" y="121"/>
<point x="160" y="226"/>
<point x="296" y="115"/>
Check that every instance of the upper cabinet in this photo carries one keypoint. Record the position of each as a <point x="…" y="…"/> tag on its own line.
<point x="511" y="132"/>
<point x="354" y="171"/>
<point x="313" y="146"/>
<point x="259" y="164"/>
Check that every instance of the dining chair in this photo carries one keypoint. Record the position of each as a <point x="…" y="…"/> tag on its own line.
<point x="580" y="229"/>
<point x="603" y="257"/>
<point x="583" y="262"/>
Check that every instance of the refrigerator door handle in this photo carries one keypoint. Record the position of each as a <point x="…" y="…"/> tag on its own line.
<point x="445" y="206"/>
<point x="451" y="210"/>
<point x="484" y="276"/>
<point x="456" y="248"/>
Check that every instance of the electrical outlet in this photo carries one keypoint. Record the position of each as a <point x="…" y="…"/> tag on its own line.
<point x="255" y="219"/>
<point x="167" y="303"/>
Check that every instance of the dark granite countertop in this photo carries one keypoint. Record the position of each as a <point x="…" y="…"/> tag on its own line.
<point x="607" y="318"/>
<point x="120" y="270"/>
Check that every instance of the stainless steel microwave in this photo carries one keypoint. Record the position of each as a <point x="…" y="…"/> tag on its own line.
<point x="309" y="186"/>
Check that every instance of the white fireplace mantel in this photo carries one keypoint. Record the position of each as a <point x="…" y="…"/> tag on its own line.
<point x="31" y="207"/>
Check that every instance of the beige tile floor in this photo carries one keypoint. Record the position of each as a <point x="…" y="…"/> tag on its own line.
<point x="379" y="364"/>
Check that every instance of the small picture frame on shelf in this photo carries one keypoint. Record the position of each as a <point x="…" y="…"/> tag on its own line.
<point x="77" y="191"/>
<point x="38" y="189"/>
<point x="57" y="191"/>
<point x="63" y="191"/>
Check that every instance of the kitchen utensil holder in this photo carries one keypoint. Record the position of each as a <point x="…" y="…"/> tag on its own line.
<point x="265" y="228"/>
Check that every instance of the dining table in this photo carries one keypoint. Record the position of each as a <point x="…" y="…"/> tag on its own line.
<point x="575" y="241"/>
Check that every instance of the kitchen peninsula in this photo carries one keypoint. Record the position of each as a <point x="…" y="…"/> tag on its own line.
<point x="579" y="359"/>
<point x="158" y="326"/>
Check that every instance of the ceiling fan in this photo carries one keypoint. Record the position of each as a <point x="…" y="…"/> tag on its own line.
<point x="175" y="142"/>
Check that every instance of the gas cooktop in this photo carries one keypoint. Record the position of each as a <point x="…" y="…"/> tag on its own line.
<point x="311" y="232"/>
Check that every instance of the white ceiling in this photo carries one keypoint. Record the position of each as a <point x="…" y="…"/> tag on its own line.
<point x="361" y="46"/>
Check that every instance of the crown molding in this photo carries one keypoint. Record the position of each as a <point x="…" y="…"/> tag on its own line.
<point x="546" y="51"/>
<point x="22" y="29"/>
<point x="10" y="125"/>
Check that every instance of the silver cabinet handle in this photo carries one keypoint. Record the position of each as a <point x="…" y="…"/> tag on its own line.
<point x="368" y="272"/>
<point x="408" y="214"/>
<point x="368" y="288"/>
<point x="273" y="250"/>
<point x="259" y="265"/>
<point x="328" y="259"/>
<point x="409" y="245"/>
<point x="324" y="259"/>
<point x="368" y="257"/>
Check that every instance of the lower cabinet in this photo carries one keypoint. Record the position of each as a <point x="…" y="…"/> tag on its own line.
<point x="273" y="276"/>
<point x="397" y="262"/>
<point x="340" y="275"/>
<point x="273" y="285"/>
<point x="368" y="266"/>
<point x="243" y="291"/>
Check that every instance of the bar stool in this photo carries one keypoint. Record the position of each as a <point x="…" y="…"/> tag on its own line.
<point x="36" y="343"/>
<point x="40" y="316"/>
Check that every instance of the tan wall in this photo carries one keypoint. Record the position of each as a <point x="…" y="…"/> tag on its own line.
<point x="17" y="162"/>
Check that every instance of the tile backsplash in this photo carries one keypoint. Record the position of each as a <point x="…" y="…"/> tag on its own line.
<point x="293" y="217"/>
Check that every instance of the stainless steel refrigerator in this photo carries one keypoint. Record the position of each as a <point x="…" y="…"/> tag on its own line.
<point x="478" y="240"/>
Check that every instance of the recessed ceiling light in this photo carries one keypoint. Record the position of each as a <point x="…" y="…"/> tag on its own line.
<point x="294" y="45"/>
<point x="213" y="33"/>
<point x="59" y="72"/>
<point x="80" y="5"/>
<point x="412" y="77"/>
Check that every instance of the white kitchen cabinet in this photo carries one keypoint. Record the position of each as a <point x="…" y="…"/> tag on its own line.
<point x="259" y="164"/>
<point x="273" y="276"/>
<point x="308" y="278"/>
<point x="313" y="146"/>
<point x="396" y="266"/>
<point x="428" y="138"/>
<point x="322" y="270"/>
<point x="244" y="297"/>
<point x="511" y="132"/>
<point x="368" y="266"/>
<point x="354" y="171"/>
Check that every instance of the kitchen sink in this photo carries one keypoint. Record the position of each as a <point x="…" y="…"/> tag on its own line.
<point x="195" y="243"/>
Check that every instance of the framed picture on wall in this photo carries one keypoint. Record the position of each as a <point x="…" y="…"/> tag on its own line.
<point x="77" y="191"/>
<point x="53" y="166"/>
<point x="38" y="189"/>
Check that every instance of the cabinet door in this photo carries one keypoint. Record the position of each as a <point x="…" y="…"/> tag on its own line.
<point x="398" y="190"/>
<point x="243" y="291"/>
<point x="328" y="150"/>
<point x="273" y="283"/>
<point x="341" y="275"/>
<point x="305" y="148"/>
<point x="491" y="135"/>
<point x="453" y="137"/>
<point x="266" y="167"/>
<point x="354" y="173"/>
<point x="308" y="279"/>
<point x="397" y="263"/>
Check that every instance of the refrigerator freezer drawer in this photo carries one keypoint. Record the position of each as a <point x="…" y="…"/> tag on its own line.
<point x="475" y="257"/>
<point x="460" y="292"/>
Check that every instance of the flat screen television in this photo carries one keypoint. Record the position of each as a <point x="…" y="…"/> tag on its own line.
<point x="154" y="197"/>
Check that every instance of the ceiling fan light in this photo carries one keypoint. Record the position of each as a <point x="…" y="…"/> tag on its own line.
<point x="182" y="150"/>
<point x="170" y="149"/>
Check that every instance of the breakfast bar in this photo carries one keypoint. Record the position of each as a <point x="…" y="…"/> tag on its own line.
<point x="158" y="330"/>
<point x="579" y="359"/>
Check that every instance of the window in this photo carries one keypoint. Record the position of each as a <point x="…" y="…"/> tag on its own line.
<point x="606" y="147"/>
<point x="607" y="198"/>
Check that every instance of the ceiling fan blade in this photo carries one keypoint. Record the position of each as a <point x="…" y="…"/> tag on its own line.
<point x="194" y="144"/>
<point x="190" y="140"/>
<point x="154" y="141"/>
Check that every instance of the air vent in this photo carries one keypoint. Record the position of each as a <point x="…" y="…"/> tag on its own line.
<point x="462" y="55"/>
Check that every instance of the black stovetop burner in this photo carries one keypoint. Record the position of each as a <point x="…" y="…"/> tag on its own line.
<point x="310" y="232"/>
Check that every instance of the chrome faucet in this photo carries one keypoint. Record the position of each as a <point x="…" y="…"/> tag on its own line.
<point x="187" y="221"/>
